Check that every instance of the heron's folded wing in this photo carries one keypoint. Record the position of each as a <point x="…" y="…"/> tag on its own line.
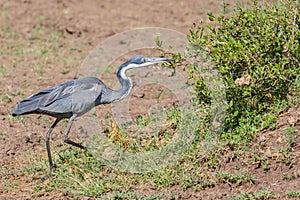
<point x="67" y="90"/>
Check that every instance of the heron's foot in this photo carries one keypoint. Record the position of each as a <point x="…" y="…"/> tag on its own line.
<point x="52" y="173"/>
<point x="88" y="152"/>
<point x="74" y="144"/>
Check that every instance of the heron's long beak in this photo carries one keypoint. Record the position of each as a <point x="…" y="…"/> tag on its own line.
<point x="158" y="60"/>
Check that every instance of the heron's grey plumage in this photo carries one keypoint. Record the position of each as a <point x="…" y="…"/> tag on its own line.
<point x="76" y="97"/>
<point x="63" y="100"/>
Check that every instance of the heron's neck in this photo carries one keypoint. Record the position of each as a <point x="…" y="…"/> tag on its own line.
<point x="110" y="95"/>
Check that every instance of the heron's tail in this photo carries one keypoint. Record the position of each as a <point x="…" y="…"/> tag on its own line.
<point x="27" y="106"/>
<point x="32" y="103"/>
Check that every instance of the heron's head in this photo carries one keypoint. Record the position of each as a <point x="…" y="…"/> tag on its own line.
<point x="143" y="61"/>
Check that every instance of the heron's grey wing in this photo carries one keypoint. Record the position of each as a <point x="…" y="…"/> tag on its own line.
<point x="76" y="96"/>
<point x="57" y="92"/>
<point x="32" y="103"/>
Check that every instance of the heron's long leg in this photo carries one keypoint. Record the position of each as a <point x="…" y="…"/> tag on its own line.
<point x="66" y="140"/>
<point x="48" y="145"/>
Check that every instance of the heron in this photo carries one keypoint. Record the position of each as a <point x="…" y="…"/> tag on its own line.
<point x="74" y="98"/>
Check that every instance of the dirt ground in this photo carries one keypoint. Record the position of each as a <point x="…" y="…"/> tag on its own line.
<point x="86" y="24"/>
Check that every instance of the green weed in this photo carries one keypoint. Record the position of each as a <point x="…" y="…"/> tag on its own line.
<point x="293" y="193"/>
<point x="228" y="177"/>
<point x="131" y="195"/>
<point x="290" y="136"/>
<point x="2" y="70"/>
<point x="263" y="194"/>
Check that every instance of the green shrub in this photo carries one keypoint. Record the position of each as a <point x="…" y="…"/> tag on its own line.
<point x="257" y="54"/>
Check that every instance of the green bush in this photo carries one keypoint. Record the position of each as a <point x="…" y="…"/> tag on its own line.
<point x="256" y="51"/>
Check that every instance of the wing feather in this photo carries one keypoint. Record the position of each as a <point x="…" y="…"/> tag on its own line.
<point x="73" y="96"/>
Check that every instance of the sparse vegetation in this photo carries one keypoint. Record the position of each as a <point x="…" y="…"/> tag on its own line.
<point x="293" y="193"/>
<point x="263" y="194"/>
<point x="228" y="177"/>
